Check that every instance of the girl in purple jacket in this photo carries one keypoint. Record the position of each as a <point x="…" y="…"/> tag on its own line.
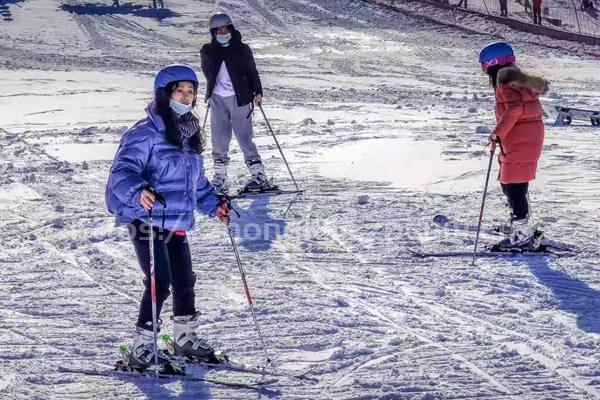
<point x="161" y="156"/>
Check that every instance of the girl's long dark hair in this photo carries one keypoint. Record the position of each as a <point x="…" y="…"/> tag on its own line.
<point x="493" y="73"/>
<point x="162" y="99"/>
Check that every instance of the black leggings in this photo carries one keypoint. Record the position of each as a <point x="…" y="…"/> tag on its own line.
<point x="173" y="269"/>
<point x="516" y="194"/>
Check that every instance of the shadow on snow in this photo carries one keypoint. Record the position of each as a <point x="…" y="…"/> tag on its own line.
<point x="571" y="295"/>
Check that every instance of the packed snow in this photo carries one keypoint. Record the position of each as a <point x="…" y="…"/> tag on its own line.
<point x="378" y="112"/>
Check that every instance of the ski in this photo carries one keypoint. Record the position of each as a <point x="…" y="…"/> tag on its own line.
<point x="233" y="382"/>
<point x="454" y="225"/>
<point x="451" y="224"/>
<point x="253" y="369"/>
<point x="243" y="195"/>
<point x="547" y="252"/>
<point x="225" y="364"/>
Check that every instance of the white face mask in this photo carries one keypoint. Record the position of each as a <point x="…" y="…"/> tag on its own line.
<point x="224" y="39"/>
<point x="180" y="109"/>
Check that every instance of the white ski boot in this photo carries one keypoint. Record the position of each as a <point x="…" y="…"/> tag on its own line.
<point x="141" y="355"/>
<point x="187" y="344"/>
<point x="258" y="182"/>
<point x="505" y="228"/>
<point x="522" y="236"/>
<point x="522" y="233"/>
<point x="220" y="180"/>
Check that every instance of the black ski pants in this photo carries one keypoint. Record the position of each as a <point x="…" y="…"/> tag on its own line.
<point x="516" y="194"/>
<point x="173" y="270"/>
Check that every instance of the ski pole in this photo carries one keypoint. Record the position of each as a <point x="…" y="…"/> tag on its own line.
<point x="278" y="146"/>
<point x="487" y="180"/>
<point x="248" y="295"/>
<point x="153" y="292"/>
<point x="205" y="119"/>
<point x="161" y="200"/>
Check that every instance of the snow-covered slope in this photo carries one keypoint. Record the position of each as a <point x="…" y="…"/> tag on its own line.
<point x="365" y="102"/>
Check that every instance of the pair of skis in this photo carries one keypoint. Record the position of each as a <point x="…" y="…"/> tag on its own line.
<point x="233" y="374"/>
<point x="546" y="247"/>
<point x="231" y="380"/>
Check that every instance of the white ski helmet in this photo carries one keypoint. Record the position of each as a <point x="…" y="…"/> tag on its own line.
<point x="218" y="21"/>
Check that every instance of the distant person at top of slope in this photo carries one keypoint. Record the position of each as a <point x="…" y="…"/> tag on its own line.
<point x="233" y="87"/>
<point x="519" y="132"/>
<point x="537" y="12"/>
<point x="504" y="8"/>
<point x="159" y="161"/>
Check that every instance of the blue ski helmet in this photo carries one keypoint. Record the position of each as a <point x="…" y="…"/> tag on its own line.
<point x="498" y="53"/>
<point x="174" y="73"/>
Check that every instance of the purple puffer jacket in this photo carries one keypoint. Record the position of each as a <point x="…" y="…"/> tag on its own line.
<point x="145" y="158"/>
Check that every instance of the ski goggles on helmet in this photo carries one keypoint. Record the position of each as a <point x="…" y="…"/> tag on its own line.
<point x="498" y="61"/>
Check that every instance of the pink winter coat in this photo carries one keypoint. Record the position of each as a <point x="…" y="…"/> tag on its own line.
<point x="519" y="127"/>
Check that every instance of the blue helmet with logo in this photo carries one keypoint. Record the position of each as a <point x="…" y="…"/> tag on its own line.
<point x="174" y="73"/>
<point x="498" y="53"/>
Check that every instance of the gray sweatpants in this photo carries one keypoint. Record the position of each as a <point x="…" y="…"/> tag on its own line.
<point x="225" y="117"/>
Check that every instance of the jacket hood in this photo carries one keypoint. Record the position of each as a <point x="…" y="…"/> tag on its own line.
<point x="517" y="78"/>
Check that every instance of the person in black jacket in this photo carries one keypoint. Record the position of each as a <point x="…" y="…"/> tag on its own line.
<point x="233" y="87"/>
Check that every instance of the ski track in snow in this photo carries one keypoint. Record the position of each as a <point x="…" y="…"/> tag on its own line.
<point x="333" y="289"/>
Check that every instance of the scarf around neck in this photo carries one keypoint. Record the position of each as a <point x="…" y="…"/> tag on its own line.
<point x="187" y="125"/>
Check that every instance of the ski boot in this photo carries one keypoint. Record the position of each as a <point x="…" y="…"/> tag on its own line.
<point x="523" y="236"/>
<point x="258" y="182"/>
<point x="187" y="345"/>
<point x="141" y="355"/>
<point x="505" y="228"/>
<point x="220" y="181"/>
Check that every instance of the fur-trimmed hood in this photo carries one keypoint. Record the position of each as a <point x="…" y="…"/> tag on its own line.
<point x="515" y="77"/>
